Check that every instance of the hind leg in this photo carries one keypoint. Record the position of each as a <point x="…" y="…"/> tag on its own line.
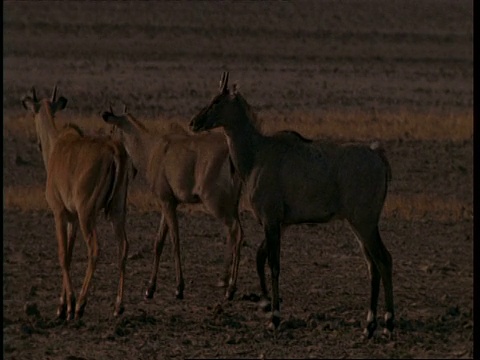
<point x="272" y="235"/>
<point x="224" y="208"/>
<point x="157" y="251"/>
<point x="228" y="260"/>
<point x="118" y="226"/>
<point x="379" y="262"/>
<point x="67" y="297"/>
<point x="172" y="221"/>
<point x="375" y="277"/>
<point x="72" y="227"/>
<point x="90" y="235"/>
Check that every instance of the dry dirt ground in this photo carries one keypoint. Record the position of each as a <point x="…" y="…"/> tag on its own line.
<point x="165" y="59"/>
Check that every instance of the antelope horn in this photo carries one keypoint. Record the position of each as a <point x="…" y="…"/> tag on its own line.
<point x="34" y="94"/>
<point x="111" y="110"/>
<point x="222" y="80"/>
<point x="54" y="94"/>
<point x="124" y="108"/>
<point x="225" y="82"/>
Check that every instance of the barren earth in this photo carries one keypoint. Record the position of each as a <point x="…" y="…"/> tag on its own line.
<point x="398" y="72"/>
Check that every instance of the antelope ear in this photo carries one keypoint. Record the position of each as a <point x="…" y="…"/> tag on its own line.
<point x="60" y="104"/>
<point x="233" y="92"/>
<point x="110" y="118"/>
<point x="30" y="104"/>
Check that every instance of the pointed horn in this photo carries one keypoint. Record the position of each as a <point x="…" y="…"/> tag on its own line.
<point x="54" y="93"/>
<point x="124" y="108"/>
<point x="222" y="80"/>
<point x="111" y="110"/>
<point x="34" y="94"/>
<point x="225" y="82"/>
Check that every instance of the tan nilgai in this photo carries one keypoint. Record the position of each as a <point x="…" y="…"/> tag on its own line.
<point x="85" y="175"/>
<point x="184" y="168"/>
<point x="289" y="181"/>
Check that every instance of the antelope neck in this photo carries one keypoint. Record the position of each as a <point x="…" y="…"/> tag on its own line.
<point x="46" y="131"/>
<point x="139" y="144"/>
<point x="243" y="141"/>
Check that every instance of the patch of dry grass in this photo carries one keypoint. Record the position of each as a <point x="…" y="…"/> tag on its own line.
<point x="24" y="198"/>
<point x="366" y="126"/>
<point x="401" y="206"/>
<point x="426" y="206"/>
<point x="336" y="125"/>
<point x="22" y="126"/>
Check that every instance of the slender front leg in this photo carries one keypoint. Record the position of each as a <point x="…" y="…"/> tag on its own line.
<point x="272" y="236"/>
<point x="237" y="234"/>
<point x="121" y="236"/>
<point x="157" y="251"/>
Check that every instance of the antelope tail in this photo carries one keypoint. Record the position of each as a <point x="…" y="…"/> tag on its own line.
<point x="381" y="152"/>
<point x="119" y="176"/>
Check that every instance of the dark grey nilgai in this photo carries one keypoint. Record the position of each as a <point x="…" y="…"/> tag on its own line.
<point x="289" y="180"/>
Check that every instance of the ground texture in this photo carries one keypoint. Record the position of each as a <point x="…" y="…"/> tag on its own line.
<point x="303" y="57"/>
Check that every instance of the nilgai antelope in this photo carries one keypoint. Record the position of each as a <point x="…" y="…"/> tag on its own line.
<point x="184" y="168"/>
<point x="84" y="175"/>
<point x="290" y="181"/>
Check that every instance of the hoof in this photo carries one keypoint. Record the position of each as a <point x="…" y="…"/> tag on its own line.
<point x="150" y="291"/>
<point x="218" y="309"/>
<point x="79" y="311"/>
<point x="230" y="294"/>
<point x="389" y="323"/>
<point x="119" y="310"/>
<point x="265" y="305"/>
<point x="78" y="315"/>
<point x="370" y="329"/>
<point x="179" y="295"/>
<point x="62" y="312"/>
<point x="275" y="321"/>
<point x="388" y="334"/>
<point x="66" y="313"/>
<point x="251" y="297"/>
<point x="271" y="326"/>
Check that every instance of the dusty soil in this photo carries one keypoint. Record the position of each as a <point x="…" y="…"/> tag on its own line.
<point x="165" y="60"/>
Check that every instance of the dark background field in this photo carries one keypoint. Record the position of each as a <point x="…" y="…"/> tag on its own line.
<point x="399" y="71"/>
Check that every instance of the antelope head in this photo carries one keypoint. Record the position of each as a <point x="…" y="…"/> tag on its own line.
<point x="215" y="114"/>
<point x="32" y="104"/>
<point x="121" y="127"/>
<point x="117" y="122"/>
<point x="51" y="106"/>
